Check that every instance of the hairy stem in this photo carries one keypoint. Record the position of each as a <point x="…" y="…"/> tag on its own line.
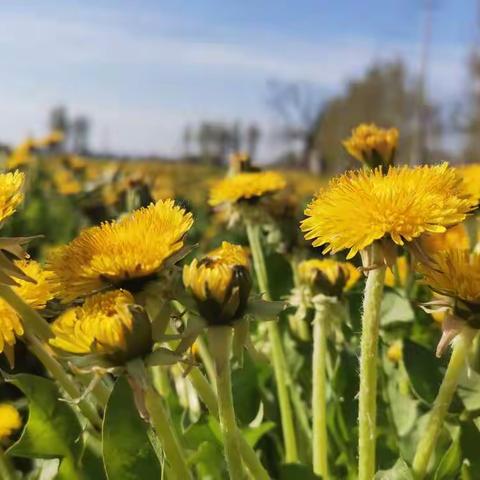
<point x="368" y="366"/>
<point x="428" y="441"/>
<point x="319" y="392"/>
<point x="220" y="343"/>
<point x="278" y="356"/>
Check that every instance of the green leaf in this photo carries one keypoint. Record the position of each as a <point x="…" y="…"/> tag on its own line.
<point x="423" y="369"/>
<point x="395" y="308"/>
<point x="254" y="434"/>
<point x="400" y="471"/>
<point x="297" y="471"/>
<point x="127" y="451"/>
<point x="451" y="462"/>
<point x="52" y="430"/>
<point x="246" y="394"/>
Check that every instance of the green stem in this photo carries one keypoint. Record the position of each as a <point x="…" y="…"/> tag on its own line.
<point x="278" y="357"/>
<point x="45" y="355"/>
<point x="220" y="343"/>
<point x="426" y="446"/>
<point x="206" y="359"/>
<point x="319" y="392"/>
<point x="7" y="472"/>
<point x="204" y="390"/>
<point x="208" y="397"/>
<point x="162" y="425"/>
<point x="368" y="366"/>
<point x="32" y="320"/>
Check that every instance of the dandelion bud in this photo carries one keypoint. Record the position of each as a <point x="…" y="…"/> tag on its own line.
<point x="328" y="277"/>
<point x="220" y="284"/>
<point x="108" y="324"/>
<point x="372" y="145"/>
<point x="394" y="352"/>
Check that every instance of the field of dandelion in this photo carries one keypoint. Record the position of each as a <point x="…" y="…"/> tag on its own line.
<point x="180" y="321"/>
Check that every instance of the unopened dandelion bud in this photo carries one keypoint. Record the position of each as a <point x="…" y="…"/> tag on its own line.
<point x="220" y="284"/>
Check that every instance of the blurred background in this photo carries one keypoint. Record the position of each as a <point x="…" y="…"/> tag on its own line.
<point x="285" y="81"/>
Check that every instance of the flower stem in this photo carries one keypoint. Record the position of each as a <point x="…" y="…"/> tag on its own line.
<point x="168" y="438"/>
<point x="319" y="392"/>
<point x="220" y="343"/>
<point x="206" y="359"/>
<point x="368" y="367"/>
<point x="56" y="370"/>
<point x="426" y="446"/>
<point x="32" y="320"/>
<point x="278" y="357"/>
<point x="208" y="397"/>
<point x="7" y="472"/>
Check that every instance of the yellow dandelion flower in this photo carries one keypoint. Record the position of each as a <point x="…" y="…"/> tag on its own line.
<point x="36" y="294"/>
<point x="10" y="420"/>
<point x="53" y="138"/>
<point x="66" y="183"/>
<point x="220" y="283"/>
<point x="102" y="324"/>
<point x="454" y="237"/>
<point x="456" y="275"/>
<point x="395" y="351"/>
<point x="402" y="266"/>
<point x="328" y="276"/>
<point x="11" y="193"/>
<point x="117" y="254"/>
<point x="246" y="186"/>
<point x="360" y="207"/>
<point x="471" y="178"/>
<point x="21" y="155"/>
<point x="372" y="145"/>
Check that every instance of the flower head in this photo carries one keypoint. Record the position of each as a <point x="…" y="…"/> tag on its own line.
<point x="372" y="145"/>
<point x="246" y="186"/>
<point x="327" y="276"/>
<point x="10" y="420"/>
<point x="471" y="178"/>
<point x="119" y="254"/>
<point x="104" y="324"/>
<point x="220" y="283"/>
<point x="454" y="237"/>
<point x="454" y="277"/>
<point x="11" y="194"/>
<point x="36" y="294"/>
<point x="360" y="207"/>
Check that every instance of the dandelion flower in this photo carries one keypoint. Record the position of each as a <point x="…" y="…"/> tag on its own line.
<point x="471" y="178"/>
<point x="35" y="294"/>
<point x="456" y="275"/>
<point x="372" y="145"/>
<point x="328" y="276"/>
<point x="220" y="283"/>
<point x="118" y="254"/>
<point x="248" y="186"/>
<point x="104" y="324"/>
<point x="360" y="207"/>
<point x="11" y="194"/>
<point x="10" y="420"/>
<point x="454" y="237"/>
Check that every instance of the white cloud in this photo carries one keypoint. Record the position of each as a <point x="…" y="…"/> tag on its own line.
<point x="44" y="54"/>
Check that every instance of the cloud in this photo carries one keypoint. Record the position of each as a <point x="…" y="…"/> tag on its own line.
<point x="143" y="85"/>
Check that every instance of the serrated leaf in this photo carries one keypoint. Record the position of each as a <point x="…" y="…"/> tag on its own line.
<point x="400" y="471"/>
<point x="52" y="430"/>
<point x="127" y="451"/>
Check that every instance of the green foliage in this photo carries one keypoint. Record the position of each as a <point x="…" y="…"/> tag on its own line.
<point x="127" y="451"/>
<point x="53" y="429"/>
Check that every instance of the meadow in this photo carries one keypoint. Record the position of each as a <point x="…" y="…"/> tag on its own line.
<point x="182" y="321"/>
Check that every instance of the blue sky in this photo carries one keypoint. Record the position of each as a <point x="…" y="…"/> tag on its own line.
<point x="144" y="69"/>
